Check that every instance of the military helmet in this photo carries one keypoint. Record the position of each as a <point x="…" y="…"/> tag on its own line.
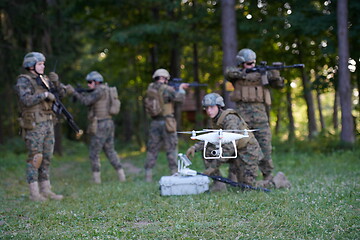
<point x="245" y="55"/>
<point x="212" y="99"/>
<point x="32" y="58"/>
<point x="94" y="76"/>
<point x="161" y="73"/>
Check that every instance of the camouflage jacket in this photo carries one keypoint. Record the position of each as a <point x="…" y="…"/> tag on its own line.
<point x="234" y="74"/>
<point x="97" y="101"/>
<point x="169" y="93"/>
<point x="89" y="98"/>
<point x="26" y="90"/>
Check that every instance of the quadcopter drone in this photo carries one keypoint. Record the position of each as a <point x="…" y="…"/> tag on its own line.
<point x="218" y="137"/>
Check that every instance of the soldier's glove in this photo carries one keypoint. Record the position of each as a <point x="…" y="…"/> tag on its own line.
<point x="69" y="89"/>
<point x="274" y="74"/>
<point x="49" y="96"/>
<point x="54" y="78"/>
<point x="190" y="153"/>
<point x="235" y="73"/>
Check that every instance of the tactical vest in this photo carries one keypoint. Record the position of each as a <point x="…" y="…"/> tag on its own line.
<point x="100" y="109"/>
<point x="241" y="143"/>
<point x="168" y="106"/>
<point x="251" y="90"/>
<point x="41" y="112"/>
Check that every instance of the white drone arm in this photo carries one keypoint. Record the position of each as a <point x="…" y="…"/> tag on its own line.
<point x="183" y="162"/>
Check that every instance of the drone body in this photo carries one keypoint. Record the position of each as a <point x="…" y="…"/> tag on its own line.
<point x="218" y="137"/>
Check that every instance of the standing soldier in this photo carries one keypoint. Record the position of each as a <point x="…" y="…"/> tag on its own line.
<point x="37" y="123"/>
<point x="159" y="104"/>
<point x="241" y="169"/>
<point x="252" y="98"/>
<point x="101" y="126"/>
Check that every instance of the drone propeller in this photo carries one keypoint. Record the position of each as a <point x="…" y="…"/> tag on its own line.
<point x="193" y="131"/>
<point x="230" y="130"/>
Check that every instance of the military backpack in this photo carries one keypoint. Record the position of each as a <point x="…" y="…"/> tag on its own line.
<point x="153" y="102"/>
<point x="114" y="101"/>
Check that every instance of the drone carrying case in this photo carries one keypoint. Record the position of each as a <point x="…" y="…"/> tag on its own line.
<point x="183" y="185"/>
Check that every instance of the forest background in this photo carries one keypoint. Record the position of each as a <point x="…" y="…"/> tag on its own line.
<point x="196" y="40"/>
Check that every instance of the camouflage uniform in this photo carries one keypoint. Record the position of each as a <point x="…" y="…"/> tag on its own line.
<point x="37" y="124"/>
<point x="158" y="135"/>
<point x="244" y="167"/>
<point x="252" y="99"/>
<point x="101" y="126"/>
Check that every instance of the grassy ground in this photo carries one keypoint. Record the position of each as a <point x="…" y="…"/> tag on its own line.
<point x="322" y="204"/>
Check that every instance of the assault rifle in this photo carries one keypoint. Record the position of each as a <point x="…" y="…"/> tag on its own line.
<point x="80" y="89"/>
<point x="175" y="82"/>
<point x="234" y="184"/>
<point x="59" y="109"/>
<point x="184" y="162"/>
<point x="263" y="68"/>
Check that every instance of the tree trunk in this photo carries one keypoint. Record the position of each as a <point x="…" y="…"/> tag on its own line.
<point x="278" y="120"/>
<point x="310" y="105"/>
<point x="336" y="111"/>
<point x="175" y="73"/>
<point x="322" y="122"/>
<point x="229" y="40"/>
<point x="347" y="124"/>
<point x="58" y="139"/>
<point x="291" y="125"/>
<point x="198" y="120"/>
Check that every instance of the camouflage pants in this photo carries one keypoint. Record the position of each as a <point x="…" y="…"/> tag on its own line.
<point x="241" y="169"/>
<point x="103" y="139"/>
<point x="255" y="116"/>
<point x="40" y="140"/>
<point x="158" y="137"/>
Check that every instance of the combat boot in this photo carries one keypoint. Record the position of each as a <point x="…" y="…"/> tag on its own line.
<point x="267" y="177"/>
<point x="121" y="175"/>
<point x="281" y="181"/>
<point x="45" y="190"/>
<point x="35" y="194"/>
<point x="218" y="187"/>
<point x="264" y="184"/>
<point x="96" y="177"/>
<point x="148" y="175"/>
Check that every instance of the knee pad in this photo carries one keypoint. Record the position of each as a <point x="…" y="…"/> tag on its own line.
<point x="37" y="160"/>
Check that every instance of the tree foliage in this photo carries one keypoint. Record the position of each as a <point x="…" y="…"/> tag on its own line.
<point x="127" y="40"/>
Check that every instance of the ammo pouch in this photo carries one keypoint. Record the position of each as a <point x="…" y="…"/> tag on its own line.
<point x="252" y="94"/>
<point x="170" y="124"/>
<point x="92" y="127"/>
<point x="27" y="121"/>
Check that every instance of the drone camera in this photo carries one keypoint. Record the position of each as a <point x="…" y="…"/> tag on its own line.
<point x="215" y="152"/>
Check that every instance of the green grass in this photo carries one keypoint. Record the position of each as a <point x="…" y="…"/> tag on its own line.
<point x="322" y="204"/>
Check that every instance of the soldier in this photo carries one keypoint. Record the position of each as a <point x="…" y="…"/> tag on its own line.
<point x="241" y="169"/>
<point x="163" y="124"/>
<point x="101" y="126"/>
<point x="252" y="99"/>
<point x="37" y="123"/>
